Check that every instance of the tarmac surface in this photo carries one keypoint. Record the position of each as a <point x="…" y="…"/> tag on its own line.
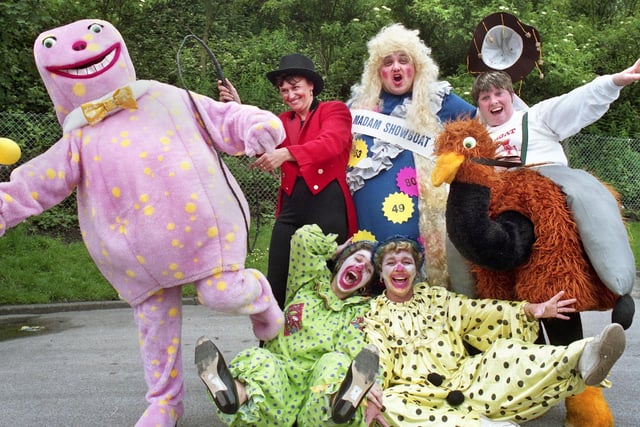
<point x="79" y="365"/>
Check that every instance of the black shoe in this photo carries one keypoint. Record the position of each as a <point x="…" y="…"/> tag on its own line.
<point x="355" y="386"/>
<point x="213" y="371"/>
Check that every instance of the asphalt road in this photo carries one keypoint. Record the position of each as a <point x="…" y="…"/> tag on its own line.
<point x="78" y="365"/>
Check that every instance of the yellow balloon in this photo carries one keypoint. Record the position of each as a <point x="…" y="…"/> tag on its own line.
<point x="9" y="151"/>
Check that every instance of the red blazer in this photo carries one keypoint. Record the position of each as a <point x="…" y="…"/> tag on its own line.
<point x="321" y="149"/>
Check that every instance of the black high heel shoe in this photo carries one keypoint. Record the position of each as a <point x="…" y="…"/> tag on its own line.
<point x="360" y="378"/>
<point x="215" y="375"/>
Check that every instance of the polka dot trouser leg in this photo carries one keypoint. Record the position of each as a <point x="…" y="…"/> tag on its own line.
<point x="159" y="320"/>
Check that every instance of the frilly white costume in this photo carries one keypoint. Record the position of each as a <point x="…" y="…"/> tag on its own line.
<point x="391" y="185"/>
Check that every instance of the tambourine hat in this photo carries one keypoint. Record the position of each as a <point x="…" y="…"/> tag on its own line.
<point x="296" y="64"/>
<point x="501" y="42"/>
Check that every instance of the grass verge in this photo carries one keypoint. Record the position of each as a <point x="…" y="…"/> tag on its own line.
<point x="36" y="269"/>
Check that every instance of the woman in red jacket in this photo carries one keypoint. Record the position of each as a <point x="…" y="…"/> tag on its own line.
<point x="312" y="160"/>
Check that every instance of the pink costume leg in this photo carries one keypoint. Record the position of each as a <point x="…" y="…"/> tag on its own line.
<point x="159" y="320"/>
<point x="246" y="292"/>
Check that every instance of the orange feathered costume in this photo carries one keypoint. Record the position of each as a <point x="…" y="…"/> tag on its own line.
<point x="515" y="229"/>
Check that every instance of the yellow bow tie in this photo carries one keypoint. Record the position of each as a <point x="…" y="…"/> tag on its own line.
<point x="96" y="111"/>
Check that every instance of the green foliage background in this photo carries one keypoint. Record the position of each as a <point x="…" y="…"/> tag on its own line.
<point x="580" y="39"/>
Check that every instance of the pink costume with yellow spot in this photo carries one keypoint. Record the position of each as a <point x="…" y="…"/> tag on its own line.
<point x="155" y="206"/>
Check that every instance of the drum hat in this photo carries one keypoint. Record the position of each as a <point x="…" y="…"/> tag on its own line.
<point x="501" y="42"/>
<point x="296" y="64"/>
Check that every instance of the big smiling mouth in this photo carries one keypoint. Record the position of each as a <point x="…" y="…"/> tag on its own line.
<point x="350" y="278"/>
<point x="91" y="67"/>
<point x="400" y="281"/>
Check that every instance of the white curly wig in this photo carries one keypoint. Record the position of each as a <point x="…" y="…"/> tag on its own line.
<point x="394" y="38"/>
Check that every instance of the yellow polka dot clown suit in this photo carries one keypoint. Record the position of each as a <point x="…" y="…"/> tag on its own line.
<point x="154" y="206"/>
<point x="429" y="378"/>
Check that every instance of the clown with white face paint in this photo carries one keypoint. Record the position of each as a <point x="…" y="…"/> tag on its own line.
<point x="428" y="376"/>
<point x="356" y="271"/>
<point x="157" y="209"/>
<point x="296" y="376"/>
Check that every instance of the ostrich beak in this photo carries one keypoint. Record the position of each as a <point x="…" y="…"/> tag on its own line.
<point x="446" y="168"/>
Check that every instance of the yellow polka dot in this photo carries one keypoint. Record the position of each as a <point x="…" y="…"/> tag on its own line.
<point x="185" y="166"/>
<point x="75" y="157"/>
<point x="174" y="373"/>
<point x="171" y="350"/>
<point x="212" y="231"/>
<point x="131" y="273"/>
<point x="8" y="198"/>
<point x="275" y="124"/>
<point x="259" y="127"/>
<point x="51" y="173"/>
<point x="96" y="158"/>
<point x="230" y="237"/>
<point x="143" y="155"/>
<point x="155" y="362"/>
<point x="144" y="198"/>
<point x="148" y="210"/>
<point x="124" y="133"/>
<point x="79" y="89"/>
<point x="193" y="196"/>
<point x="190" y="207"/>
<point x="173" y="312"/>
<point x="178" y="275"/>
<point x="116" y="192"/>
<point x="173" y="266"/>
<point x="156" y="374"/>
<point x="165" y="141"/>
<point x="62" y="174"/>
<point x="125" y="143"/>
<point x="175" y="242"/>
<point x="147" y="171"/>
<point x="171" y="226"/>
<point x="34" y="195"/>
<point x="140" y="315"/>
<point x="221" y="285"/>
<point x="141" y="259"/>
<point x="86" y="140"/>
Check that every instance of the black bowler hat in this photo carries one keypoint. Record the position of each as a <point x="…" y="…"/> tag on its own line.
<point x="501" y="42"/>
<point x="296" y="64"/>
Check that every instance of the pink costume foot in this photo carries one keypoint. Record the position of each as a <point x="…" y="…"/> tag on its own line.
<point x="245" y="291"/>
<point x="267" y="324"/>
<point x="157" y="415"/>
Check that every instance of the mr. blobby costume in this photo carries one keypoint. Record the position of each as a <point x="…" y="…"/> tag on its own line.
<point x="157" y="209"/>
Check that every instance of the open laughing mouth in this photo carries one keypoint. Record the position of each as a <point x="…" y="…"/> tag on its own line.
<point x="350" y="278"/>
<point x="91" y="67"/>
<point x="400" y="281"/>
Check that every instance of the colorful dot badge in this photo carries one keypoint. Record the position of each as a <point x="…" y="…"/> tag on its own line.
<point x="359" y="151"/>
<point x="407" y="181"/>
<point x="397" y="207"/>
<point x="365" y="235"/>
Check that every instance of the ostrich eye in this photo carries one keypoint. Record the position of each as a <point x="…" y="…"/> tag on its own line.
<point x="469" y="142"/>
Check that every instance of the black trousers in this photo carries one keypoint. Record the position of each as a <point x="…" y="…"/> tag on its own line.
<point x="327" y="209"/>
